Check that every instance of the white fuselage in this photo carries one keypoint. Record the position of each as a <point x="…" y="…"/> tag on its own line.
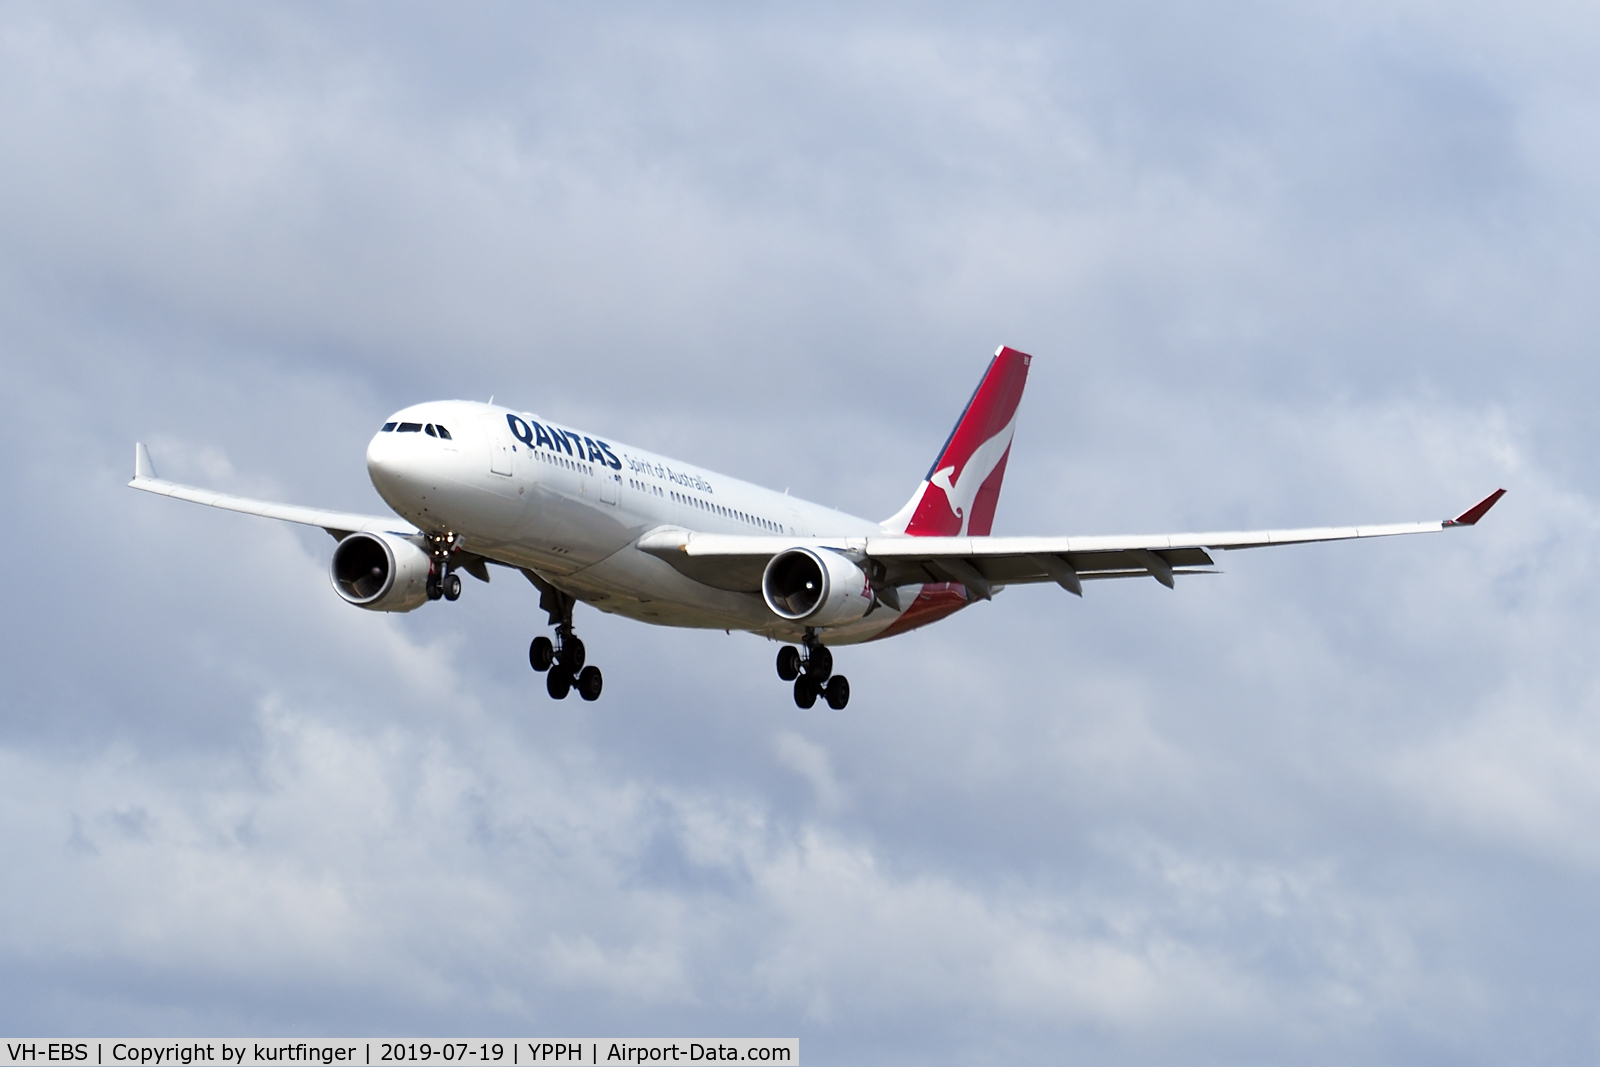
<point x="531" y="493"/>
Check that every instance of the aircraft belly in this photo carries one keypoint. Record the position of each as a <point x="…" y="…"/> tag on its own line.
<point x="640" y="586"/>
<point x="437" y="504"/>
<point x="555" y="535"/>
<point x="921" y="605"/>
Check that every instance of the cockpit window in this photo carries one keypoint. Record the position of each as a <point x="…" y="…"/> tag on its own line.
<point x="388" y="427"/>
<point x="428" y="429"/>
<point x="410" y="427"/>
<point x="444" y="433"/>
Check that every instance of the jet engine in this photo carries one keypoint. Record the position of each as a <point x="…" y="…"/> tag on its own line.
<point x="816" y="586"/>
<point x="380" y="572"/>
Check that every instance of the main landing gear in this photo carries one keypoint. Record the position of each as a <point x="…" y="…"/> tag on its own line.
<point x="810" y="668"/>
<point x="561" y="660"/>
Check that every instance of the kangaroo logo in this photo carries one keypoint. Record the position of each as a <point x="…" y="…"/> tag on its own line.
<point x="972" y="461"/>
<point x="941" y="478"/>
<point x="960" y="493"/>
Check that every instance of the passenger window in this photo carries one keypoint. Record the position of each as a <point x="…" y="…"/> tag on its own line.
<point x="410" y="427"/>
<point x="444" y="433"/>
<point x="388" y="427"/>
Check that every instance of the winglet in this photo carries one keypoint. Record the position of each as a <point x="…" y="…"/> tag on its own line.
<point x="1471" y="516"/>
<point x="142" y="467"/>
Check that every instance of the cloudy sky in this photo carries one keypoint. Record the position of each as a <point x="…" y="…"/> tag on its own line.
<point x="1277" y="264"/>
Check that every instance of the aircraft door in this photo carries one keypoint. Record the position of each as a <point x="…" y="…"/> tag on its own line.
<point x="495" y="433"/>
<point x="609" y="484"/>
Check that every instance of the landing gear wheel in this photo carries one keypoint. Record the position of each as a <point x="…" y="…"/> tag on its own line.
<point x="434" y="589"/>
<point x="820" y="665"/>
<point x="788" y="663"/>
<point x="558" y="683"/>
<point x="805" y="691"/>
<point x="572" y="654"/>
<point x="541" y="654"/>
<point x="452" y="587"/>
<point x="589" y="683"/>
<point x="837" y="692"/>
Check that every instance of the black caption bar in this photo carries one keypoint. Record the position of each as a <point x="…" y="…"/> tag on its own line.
<point x="376" y="1052"/>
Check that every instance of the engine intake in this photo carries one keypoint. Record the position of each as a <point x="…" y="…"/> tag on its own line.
<point x="380" y="572"/>
<point x="816" y="586"/>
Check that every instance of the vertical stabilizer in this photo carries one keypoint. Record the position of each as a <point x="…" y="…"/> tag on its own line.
<point x="959" y="494"/>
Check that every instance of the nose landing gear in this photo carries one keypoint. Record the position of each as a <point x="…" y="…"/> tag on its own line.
<point x="811" y="671"/>
<point x="443" y="581"/>
<point x="562" y="660"/>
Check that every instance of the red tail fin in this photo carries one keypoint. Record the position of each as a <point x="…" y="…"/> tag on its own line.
<point x="959" y="495"/>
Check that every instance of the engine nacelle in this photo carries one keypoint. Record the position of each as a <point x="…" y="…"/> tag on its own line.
<point x="816" y="586"/>
<point x="380" y="572"/>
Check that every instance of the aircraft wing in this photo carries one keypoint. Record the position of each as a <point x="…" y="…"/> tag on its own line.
<point x="983" y="563"/>
<point x="338" y="523"/>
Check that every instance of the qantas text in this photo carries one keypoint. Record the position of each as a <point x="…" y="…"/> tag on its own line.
<point x="590" y="450"/>
<point x="584" y="448"/>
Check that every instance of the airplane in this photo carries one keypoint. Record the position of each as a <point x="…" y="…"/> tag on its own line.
<point x="637" y="534"/>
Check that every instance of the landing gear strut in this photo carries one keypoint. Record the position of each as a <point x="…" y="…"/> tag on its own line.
<point x="810" y="668"/>
<point x="561" y="660"/>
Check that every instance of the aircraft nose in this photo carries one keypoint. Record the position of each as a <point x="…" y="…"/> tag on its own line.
<point x="390" y="466"/>
<point x="410" y="466"/>
<point x="381" y="456"/>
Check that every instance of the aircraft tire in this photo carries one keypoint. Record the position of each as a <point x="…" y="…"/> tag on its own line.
<point x="820" y="665"/>
<point x="452" y="587"/>
<point x="590" y="683"/>
<point x="433" y="588"/>
<point x="837" y="692"/>
<point x="572" y="655"/>
<point x="788" y="663"/>
<point x="805" y="691"/>
<point x="558" y="683"/>
<point x="541" y="654"/>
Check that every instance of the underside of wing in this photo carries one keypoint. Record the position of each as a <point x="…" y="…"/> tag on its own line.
<point x="734" y="563"/>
